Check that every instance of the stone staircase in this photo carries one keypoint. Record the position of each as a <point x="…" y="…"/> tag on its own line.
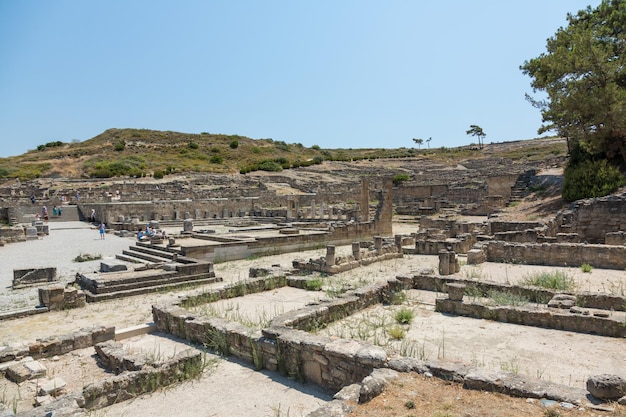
<point x="520" y="188"/>
<point x="162" y="270"/>
<point x="146" y="253"/>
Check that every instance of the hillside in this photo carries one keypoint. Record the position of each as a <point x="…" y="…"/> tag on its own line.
<point x="142" y="152"/>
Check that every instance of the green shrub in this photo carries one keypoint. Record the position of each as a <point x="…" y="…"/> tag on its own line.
<point x="120" y="146"/>
<point x="588" y="179"/>
<point x="193" y="145"/>
<point x="404" y="316"/>
<point x="158" y="175"/>
<point x="553" y="280"/>
<point x="586" y="268"/>
<point x="281" y="145"/>
<point x="271" y="166"/>
<point x="234" y="144"/>
<point x="216" y="159"/>
<point x="316" y="147"/>
<point x="399" y="178"/>
<point x="314" y="284"/>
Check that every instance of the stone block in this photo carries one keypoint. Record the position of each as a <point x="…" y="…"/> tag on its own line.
<point x="112" y="266"/>
<point x="25" y="370"/>
<point x="476" y="256"/>
<point x="606" y="386"/>
<point x="52" y="387"/>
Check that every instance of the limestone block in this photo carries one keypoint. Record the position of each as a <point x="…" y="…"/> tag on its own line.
<point x="564" y="301"/>
<point x="456" y="291"/>
<point x="52" y="386"/>
<point x="606" y="386"/>
<point x="26" y="370"/>
<point x="476" y="256"/>
<point x="112" y="266"/>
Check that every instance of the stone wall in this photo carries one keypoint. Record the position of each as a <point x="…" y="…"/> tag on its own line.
<point x="562" y="320"/>
<point x="593" y="218"/>
<point x="555" y="254"/>
<point x="33" y="276"/>
<point x="58" y="345"/>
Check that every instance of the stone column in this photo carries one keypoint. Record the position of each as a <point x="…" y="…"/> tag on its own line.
<point x="398" y="242"/>
<point x="356" y="250"/>
<point x="197" y="214"/>
<point x="378" y="244"/>
<point x="312" y="209"/>
<point x="330" y="255"/>
<point x="224" y="213"/>
<point x="364" y="202"/>
<point x="454" y="263"/>
<point x="444" y="262"/>
<point x="188" y="225"/>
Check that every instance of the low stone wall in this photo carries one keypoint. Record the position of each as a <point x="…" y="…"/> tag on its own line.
<point x="603" y="326"/>
<point x="426" y="280"/>
<point x="555" y="254"/>
<point x="33" y="276"/>
<point x="184" y="365"/>
<point x="283" y="347"/>
<point x="57" y="297"/>
<point x="58" y="345"/>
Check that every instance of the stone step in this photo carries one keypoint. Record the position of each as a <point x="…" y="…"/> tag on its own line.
<point x="132" y="259"/>
<point x="147" y="290"/>
<point x="145" y="256"/>
<point x="155" y="251"/>
<point x="108" y="282"/>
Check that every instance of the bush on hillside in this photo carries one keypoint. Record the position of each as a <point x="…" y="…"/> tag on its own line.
<point x="588" y="179"/>
<point x="399" y="178"/>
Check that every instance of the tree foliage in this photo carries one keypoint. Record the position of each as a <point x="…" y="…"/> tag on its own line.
<point x="589" y="179"/>
<point x="583" y="73"/>
<point x="478" y="132"/>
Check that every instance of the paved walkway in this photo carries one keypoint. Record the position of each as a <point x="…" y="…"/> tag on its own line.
<point x="65" y="242"/>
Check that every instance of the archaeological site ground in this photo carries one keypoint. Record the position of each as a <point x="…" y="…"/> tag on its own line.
<point x="408" y="286"/>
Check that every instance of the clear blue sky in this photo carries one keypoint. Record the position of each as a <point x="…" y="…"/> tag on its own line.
<point x="333" y="73"/>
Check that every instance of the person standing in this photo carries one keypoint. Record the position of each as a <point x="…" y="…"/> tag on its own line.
<point x="102" y="230"/>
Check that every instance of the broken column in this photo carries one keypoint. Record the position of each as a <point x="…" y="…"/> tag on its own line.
<point x="398" y="242"/>
<point x="378" y="244"/>
<point x="330" y="255"/>
<point x="188" y="226"/>
<point x="364" y="201"/>
<point x="356" y="250"/>
<point x="444" y="262"/>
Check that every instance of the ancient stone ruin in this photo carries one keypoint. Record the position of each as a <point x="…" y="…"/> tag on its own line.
<point x="212" y="221"/>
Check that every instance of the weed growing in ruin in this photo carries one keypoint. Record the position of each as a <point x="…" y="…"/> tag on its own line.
<point x="551" y="412"/>
<point x="512" y="366"/>
<point x="413" y="349"/>
<point x="397" y="333"/>
<point x="217" y="342"/>
<point x="404" y="316"/>
<point x="473" y="273"/>
<point x="314" y="284"/>
<point x="506" y="298"/>
<point x="394" y="297"/>
<point x="554" y="280"/>
<point x="586" y="268"/>
<point x="473" y="292"/>
<point x="85" y="257"/>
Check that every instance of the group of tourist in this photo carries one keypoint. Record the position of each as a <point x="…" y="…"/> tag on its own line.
<point x="150" y="233"/>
